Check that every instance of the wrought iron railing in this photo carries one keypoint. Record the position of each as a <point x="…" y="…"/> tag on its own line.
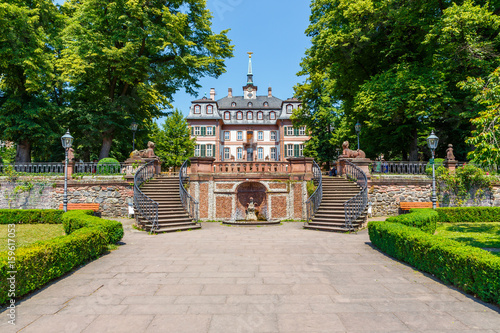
<point x="399" y="167"/>
<point x="188" y="202"/>
<point x="314" y="200"/>
<point x="147" y="207"/>
<point x="58" y="167"/>
<point x="356" y="206"/>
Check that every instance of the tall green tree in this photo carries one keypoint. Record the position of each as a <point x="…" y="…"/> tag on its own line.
<point x="173" y="141"/>
<point x="395" y="65"/>
<point x="29" y="83"/>
<point x="125" y="60"/>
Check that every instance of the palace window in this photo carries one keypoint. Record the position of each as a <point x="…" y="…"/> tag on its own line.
<point x="227" y="116"/>
<point x="266" y="104"/>
<point x="239" y="115"/>
<point x="272" y="115"/>
<point x="260" y="115"/>
<point x="197" y="150"/>
<point x="227" y="136"/>
<point x="260" y="153"/>
<point x="233" y="104"/>
<point x="250" y="104"/>
<point x="289" y="130"/>
<point x="240" y="135"/>
<point x="210" y="109"/>
<point x="239" y="153"/>
<point x="273" y="154"/>
<point x="289" y="150"/>
<point x="226" y="153"/>
<point x="210" y="131"/>
<point x="302" y="130"/>
<point x="273" y="136"/>
<point x="301" y="150"/>
<point x="197" y="109"/>
<point x="210" y="151"/>
<point x="260" y="135"/>
<point x="249" y="115"/>
<point x="197" y="131"/>
<point x="289" y="108"/>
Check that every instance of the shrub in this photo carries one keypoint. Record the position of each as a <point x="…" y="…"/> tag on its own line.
<point x="469" y="214"/>
<point x="87" y="238"/>
<point x="422" y="218"/>
<point x="108" y="165"/>
<point x="438" y="162"/>
<point x="31" y="216"/>
<point x="471" y="269"/>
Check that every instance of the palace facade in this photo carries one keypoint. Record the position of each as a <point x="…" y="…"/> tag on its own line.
<point x="249" y="128"/>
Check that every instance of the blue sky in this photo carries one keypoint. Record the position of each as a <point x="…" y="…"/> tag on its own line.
<point x="273" y="30"/>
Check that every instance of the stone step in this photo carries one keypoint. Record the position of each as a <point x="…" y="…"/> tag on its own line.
<point x="172" y="224"/>
<point x="326" y="228"/>
<point x="179" y="228"/>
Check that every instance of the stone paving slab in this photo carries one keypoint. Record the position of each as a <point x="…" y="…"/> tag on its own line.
<point x="250" y="279"/>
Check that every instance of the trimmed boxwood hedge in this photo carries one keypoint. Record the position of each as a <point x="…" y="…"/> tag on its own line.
<point x="422" y="218"/>
<point x="87" y="238"/>
<point x="469" y="268"/>
<point x="30" y="216"/>
<point x="469" y="214"/>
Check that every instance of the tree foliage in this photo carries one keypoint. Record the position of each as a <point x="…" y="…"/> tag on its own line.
<point x="173" y="141"/>
<point x="395" y="65"/>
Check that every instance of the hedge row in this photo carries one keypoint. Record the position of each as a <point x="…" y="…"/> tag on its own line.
<point x="30" y="216"/>
<point x="87" y="238"/>
<point x="469" y="214"/>
<point x="424" y="219"/>
<point x="469" y="268"/>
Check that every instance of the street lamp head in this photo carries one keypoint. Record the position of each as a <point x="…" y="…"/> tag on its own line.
<point x="432" y="141"/>
<point x="67" y="140"/>
<point x="134" y="126"/>
<point x="357" y="127"/>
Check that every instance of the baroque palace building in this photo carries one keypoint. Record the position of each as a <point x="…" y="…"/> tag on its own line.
<point x="246" y="128"/>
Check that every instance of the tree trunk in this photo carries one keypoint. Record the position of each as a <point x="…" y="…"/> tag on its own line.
<point x="414" y="146"/>
<point x="23" y="152"/>
<point x="106" y="146"/>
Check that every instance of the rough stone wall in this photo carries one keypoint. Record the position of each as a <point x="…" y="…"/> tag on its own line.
<point x="278" y="207"/>
<point x="223" y="207"/>
<point x="385" y="199"/>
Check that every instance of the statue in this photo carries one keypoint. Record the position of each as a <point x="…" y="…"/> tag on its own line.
<point x="449" y="153"/>
<point x="251" y="216"/>
<point x="71" y="154"/>
<point x="145" y="153"/>
<point x="347" y="153"/>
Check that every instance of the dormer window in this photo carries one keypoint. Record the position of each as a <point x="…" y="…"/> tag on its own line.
<point x="233" y="104"/>
<point x="210" y="109"/>
<point x="260" y="115"/>
<point x="250" y="115"/>
<point x="239" y="115"/>
<point x="289" y="108"/>
<point x="266" y="104"/>
<point x="197" y="109"/>
<point x="272" y="115"/>
<point x="227" y="115"/>
<point x="250" y="104"/>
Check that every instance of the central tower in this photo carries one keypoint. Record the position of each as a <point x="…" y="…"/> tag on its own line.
<point x="250" y="91"/>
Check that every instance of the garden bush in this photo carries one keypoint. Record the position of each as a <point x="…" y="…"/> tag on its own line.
<point x="87" y="238"/>
<point x="469" y="214"/>
<point x="31" y="216"/>
<point x="424" y="219"/>
<point x="471" y="269"/>
<point x="108" y="165"/>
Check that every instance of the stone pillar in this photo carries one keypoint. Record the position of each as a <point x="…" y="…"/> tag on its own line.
<point x="71" y="168"/>
<point x="362" y="163"/>
<point x="451" y="165"/>
<point x="301" y="166"/>
<point x="202" y="165"/>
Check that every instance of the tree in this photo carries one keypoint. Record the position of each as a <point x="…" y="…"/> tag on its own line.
<point x="28" y="78"/>
<point x="173" y="141"/>
<point x="395" y="65"/>
<point x="486" y="135"/>
<point x="125" y="60"/>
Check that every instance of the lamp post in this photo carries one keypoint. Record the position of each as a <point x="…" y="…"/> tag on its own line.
<point x="357" y="127"/>
<point x="432" y="142"/>
<point x="67" y="140"/>
<point x="133" y="127"/>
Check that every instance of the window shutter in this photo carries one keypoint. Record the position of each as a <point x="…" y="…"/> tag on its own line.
<point x="286" y="130"/>
<point x="286" y="151"/>
<point x="192" y="131"/>
<point x="296" y="150"/>
<point x="203" y="150"/>
<point x="203" y="131"/>
<point x="295" y="131"/>
<point x="213" y="130"/>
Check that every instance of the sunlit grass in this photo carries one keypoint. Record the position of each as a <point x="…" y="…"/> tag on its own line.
<point x="483" y="235"/>
<point x="26" y="234"/>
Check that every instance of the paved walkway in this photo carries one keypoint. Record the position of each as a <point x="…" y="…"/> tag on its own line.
<point x="250" y="279"/>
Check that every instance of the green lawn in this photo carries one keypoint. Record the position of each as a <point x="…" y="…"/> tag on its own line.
<point x="27" y="234"/>
<point x="483" y="235"/>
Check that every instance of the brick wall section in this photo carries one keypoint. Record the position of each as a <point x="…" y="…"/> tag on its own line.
<point x="225" y="186"/>
<point x="297" y="200"/>
<point x="278" y="207"/>
<point x="223" y="207"/>
<point x="204" y="200"/>
<point x="277" y="186"/>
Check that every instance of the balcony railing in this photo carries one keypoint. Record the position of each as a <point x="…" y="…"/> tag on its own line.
<point x="58" y="167"/>
<point x="399" y="167"/>
<point x="250" y="167"/>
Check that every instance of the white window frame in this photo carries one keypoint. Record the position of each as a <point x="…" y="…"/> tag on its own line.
<point x="210" y="152"/>
<point x="209" y="131"/>
<point x="210" y="109"/>
<point x="239" y="115"/>
<point x="197" y="130"/>
<point x="301" y="150"/>
<point x="273" y="135"/>
<point x="197" y="151"/>
<point x="239" y="136"/>
<point x="289" y="130"/>
<point x="302" y="130"/>
<point x="260" y="135"/>
<point x="273" y="154"/>
<point x="227" y="115"/>
<point x="289" y="150"/>
<point x="250" y="104"/>
<point x="227" y="136"/>
<point x="249" y="115"/>
<point x="272" y="115"/>
<point x="227" y="153"/>
<point x="289" y="108"/>
<point x="260" y="115"/>
<point x="260" y="153"/>
<point x="197" y="109"/>
<point x="239" y="153"/>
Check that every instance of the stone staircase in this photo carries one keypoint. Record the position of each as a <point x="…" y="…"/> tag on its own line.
<point x="330" y="215"/>
<point x="171" y="214"/>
